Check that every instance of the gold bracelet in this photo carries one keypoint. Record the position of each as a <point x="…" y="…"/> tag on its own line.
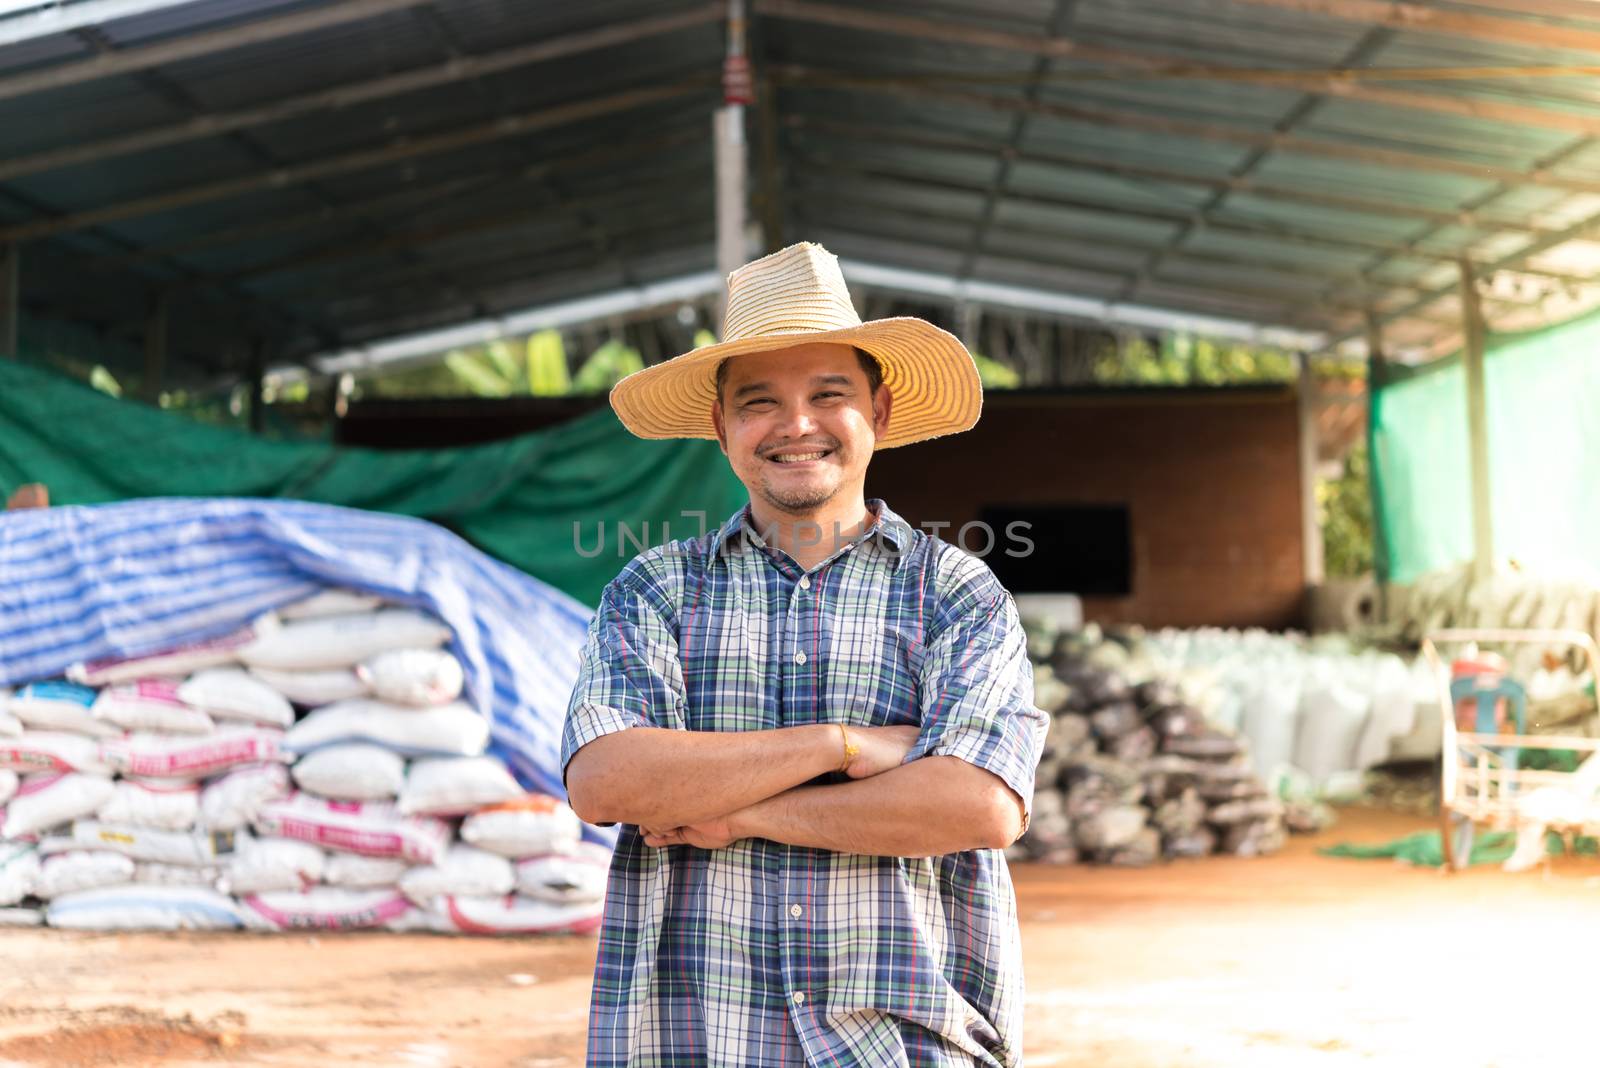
<point x="850" y="748"/>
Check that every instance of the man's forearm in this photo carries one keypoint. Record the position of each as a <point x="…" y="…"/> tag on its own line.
<point x="668" y="778"/>
<point x="929" y="807"/>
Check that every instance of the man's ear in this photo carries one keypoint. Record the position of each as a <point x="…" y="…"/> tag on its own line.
<point x="716" y="423"/>
<point x="882" y="403"/>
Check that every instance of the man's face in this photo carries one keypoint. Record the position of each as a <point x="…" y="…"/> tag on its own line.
<point x="799" y="425"/>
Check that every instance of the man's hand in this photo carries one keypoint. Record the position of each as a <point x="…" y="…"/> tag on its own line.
<point x="712" y="834"/>
<point x="882" y="748"/>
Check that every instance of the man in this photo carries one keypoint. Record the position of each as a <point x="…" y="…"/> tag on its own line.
<point x="815" y="723"/>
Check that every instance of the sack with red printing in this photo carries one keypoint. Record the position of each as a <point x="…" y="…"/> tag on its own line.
<point x="572" y="875"/>
<point x="516" y="914"/>
<point x="59" y="706"/>
<point x="372" y="828"/>
<point x="179" y="660"/>
<point x="324" y="908"/>
<point x="166" y="804"/>
<point x="150" y="705"/>
<point x="52" y="798"/>
<point x="158" y="756"/>
<point x="52" y="751"/>
<point x="232" y="801"/>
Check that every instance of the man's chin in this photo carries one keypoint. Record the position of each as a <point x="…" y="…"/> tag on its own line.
<point x="798" y="500"/>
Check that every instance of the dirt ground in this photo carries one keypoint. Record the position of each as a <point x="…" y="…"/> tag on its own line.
<point x="1289" y="961"/>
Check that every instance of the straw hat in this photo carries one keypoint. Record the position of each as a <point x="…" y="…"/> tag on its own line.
<point x="798" y="297"/>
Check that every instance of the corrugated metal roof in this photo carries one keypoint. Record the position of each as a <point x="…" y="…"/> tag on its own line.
<point x="1205" y="156"/>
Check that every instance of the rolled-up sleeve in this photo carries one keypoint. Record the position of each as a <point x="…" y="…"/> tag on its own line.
<point x="631" y="675"/>
<point x="977" y="684"/>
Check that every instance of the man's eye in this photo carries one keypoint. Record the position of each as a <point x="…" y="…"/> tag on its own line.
<point x="830" y="393"/>
<point x="761" y="401"/>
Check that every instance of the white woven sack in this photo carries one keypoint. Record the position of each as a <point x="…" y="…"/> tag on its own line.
<point x="136" y="907"/>
<point x="82" y="869"/>
<point x="230" y="802"/>
<point x="333" y="601"/>
<point x="267" y="865"/>
<point x="344" y="641"/>
<point x="453" y="729"/>
<point x="164" y="804"/>
<point x="234" y="693"/>
<point x="356" y="872"/>
<point x="150" y="705"/>
<point x="450" y="786"/>
<point x="462" y="870"/>
<point x="313" y="688"/>
<point x="355" y="772"/>
<point x="160" y="756"/>
<point x="417" y="677"/>
<point x="51" y="799"/>
<point x="59" y="706"/>
<point x="52" y="751"/>
<point x="180" y="660"/>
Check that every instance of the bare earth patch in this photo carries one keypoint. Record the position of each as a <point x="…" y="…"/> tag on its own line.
<point x="1294" y="961"/>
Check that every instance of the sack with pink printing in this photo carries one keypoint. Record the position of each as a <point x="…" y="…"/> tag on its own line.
<point x="165" y="804"/>
<point x="52" y="751"/>
<point x="514" y="914"/>
<point x="150" y="705"/>
<point x="324" y="908"/>
<point x="51" y="799"/>
<point x="371" y="828"/>
<point x="168" y="757"/>
<point x="179" y="660"/>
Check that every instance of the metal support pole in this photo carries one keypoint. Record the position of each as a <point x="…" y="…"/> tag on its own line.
<point x="155" y="350"/>
<point x="1310" y="516"/>
<point x="771" y="197"/>
<point x="257" y="370"/>
<point x="10" y="299"/>
<point x="1375" y="378"/>
<point x="728" y="131"/>
<point x="1472" y="329"/>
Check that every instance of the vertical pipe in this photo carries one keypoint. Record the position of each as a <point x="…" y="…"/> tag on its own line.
<point x="1310" y="517"/>
<point x="258" y="374"/>
<point x="10" y="299"/>
<point x="728" y="131"/>
<point x="771" y="198"/>
<point x="1375" y="378"/>
<point x="1472" y="329"/>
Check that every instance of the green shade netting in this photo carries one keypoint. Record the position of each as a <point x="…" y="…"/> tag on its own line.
<point x="531" y="501"/>
<point x="1542" y="397"/>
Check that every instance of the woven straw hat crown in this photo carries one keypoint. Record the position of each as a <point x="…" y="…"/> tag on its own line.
<point x="798" y="296"/>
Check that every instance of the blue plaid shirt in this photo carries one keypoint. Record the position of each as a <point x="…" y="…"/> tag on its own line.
<point x="769" y="954"/>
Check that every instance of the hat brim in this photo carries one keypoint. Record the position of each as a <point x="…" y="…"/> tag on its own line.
<point x="930" y="375"/>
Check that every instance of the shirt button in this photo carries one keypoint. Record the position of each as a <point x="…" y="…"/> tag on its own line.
<point x="800" y="657"/>
<point x="805" y="582"/>
<point x="799" y="997"/>
<point x="796" y="911"/>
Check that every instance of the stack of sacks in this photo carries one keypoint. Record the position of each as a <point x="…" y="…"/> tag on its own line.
<point x="180" y="790"/>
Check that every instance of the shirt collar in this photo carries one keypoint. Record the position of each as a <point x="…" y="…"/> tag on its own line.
<point x="889" y="528"/>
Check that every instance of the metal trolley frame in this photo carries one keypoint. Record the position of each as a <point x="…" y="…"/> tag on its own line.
<point x="1476" y="785"/>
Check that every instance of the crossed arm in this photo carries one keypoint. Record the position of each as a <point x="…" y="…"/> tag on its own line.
<point x="749" y="785"/>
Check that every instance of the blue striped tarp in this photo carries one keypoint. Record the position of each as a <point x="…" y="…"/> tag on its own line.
<point x="128" y="579"/>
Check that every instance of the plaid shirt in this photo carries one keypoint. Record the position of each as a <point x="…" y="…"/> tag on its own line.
<point x="769" y="954"/>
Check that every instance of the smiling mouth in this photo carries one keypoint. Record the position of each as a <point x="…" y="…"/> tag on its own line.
<point x="800" y="457"/>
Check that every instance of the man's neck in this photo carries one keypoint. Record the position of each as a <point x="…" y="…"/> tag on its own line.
<point x="812" y="538"/>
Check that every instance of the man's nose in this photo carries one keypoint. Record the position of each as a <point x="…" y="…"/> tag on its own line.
<point x="797" y="421"/>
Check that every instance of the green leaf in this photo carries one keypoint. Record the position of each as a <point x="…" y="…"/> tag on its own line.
<point x="547" y="365"/>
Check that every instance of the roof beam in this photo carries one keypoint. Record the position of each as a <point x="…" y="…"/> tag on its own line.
<point x="1419" y="17"/>
<point x="1330" y="84"/>
<point x="201" y="43"/>
<point x="1139" y="173"/>
<point x="452" y="70"/>
<point x="1205" y="131"/>
<point x="402" y="148"/>
<point x="1255" y="231"/>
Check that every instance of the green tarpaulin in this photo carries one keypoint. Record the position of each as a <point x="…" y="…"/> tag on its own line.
<point x="557" y="503"/>
<point x="1542" y="395"/>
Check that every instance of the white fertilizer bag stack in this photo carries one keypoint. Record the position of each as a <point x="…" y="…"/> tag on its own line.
<point x="316" y="770"/>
